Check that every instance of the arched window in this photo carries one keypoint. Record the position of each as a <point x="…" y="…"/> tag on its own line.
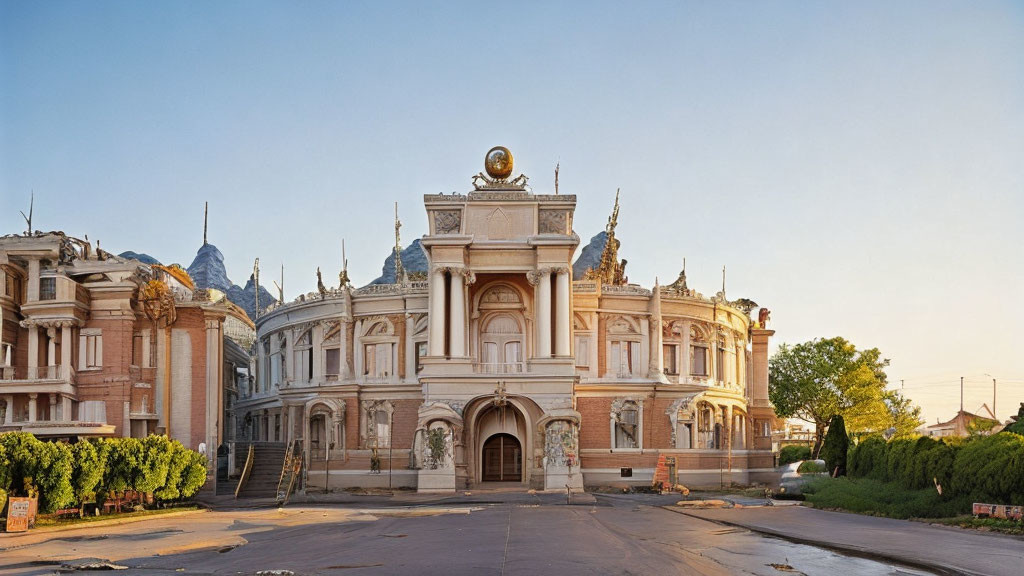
<point x="502" y="344"/>
<point x="304" y="356"/>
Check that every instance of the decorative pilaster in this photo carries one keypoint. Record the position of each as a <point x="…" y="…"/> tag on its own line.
<point x="562" y="313"/>
<point x="457" y="319"/>
<point x="435" y="343"/>
<point x="544" y="314"/>
<point x="32" y="408"/>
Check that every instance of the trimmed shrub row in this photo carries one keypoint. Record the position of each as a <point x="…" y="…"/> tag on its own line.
<point x="66" y="474"/>
<point x="982" y="469"/>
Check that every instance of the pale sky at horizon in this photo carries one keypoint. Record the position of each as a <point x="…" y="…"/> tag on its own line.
<point x="858" y="167"/>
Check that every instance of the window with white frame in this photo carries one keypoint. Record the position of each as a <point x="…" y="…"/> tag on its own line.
<point x="377" y="360"/>
<point x="90" y="349"/>
<point x="332" y="361"/>
<point x="626" y="426"/>
<point x="378" y="427"/>
<point x="624" y="359"/>
<point x="671" y="357"/>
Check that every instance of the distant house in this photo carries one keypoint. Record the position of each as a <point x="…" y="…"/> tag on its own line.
<point x="963" y="424"/>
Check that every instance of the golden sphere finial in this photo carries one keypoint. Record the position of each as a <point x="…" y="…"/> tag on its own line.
<point x="498" y="163"/>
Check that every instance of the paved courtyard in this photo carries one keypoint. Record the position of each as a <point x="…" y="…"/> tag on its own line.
<point x="608" y="536"/>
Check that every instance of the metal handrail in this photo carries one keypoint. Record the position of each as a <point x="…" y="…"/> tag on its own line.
<point x="246" y="470"/>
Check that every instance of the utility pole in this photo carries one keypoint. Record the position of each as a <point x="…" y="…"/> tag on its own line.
<point x="961" y="394"/>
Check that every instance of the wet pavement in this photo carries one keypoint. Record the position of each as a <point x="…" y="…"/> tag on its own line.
<point x="612" y="535"/>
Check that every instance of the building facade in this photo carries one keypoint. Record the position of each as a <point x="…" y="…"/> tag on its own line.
<point x="97" y="345"/>
<point x="496" y="365"/>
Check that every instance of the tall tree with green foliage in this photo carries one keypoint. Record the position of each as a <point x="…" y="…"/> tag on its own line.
<point x="905" y="418"/>
<point x="817" y="380"/>
<point x="833" y="452"/>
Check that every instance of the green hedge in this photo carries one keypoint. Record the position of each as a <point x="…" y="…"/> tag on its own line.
<point x="790" y="454"/>
<point x="65" y="474"/>
<point x="982" y="469"/>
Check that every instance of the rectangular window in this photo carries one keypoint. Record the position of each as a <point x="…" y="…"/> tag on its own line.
<point x="699" y="360"/>
<point x="624" y="360"/>
<point x="671" y="352"/>
<point x="377" y="360"/>
<point x="48" y="288"/>
<point x="90" y="349"/>
<point x="421" y="351"/>
<point x="626" y="428"/>
<point x="720" y="366"/>
<point x="332" y="361"/>
<point x="382" y="428"/>
<point x="582" y="352"/>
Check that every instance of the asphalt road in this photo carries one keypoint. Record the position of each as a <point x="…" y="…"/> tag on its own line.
<point x="615" y="536"/>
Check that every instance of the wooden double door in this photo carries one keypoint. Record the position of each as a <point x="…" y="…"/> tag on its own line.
<point x="503" y="459"/>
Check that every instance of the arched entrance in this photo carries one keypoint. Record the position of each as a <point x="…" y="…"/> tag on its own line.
<point x="502" y="459"/>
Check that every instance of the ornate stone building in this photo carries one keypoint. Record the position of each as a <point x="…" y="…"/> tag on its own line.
<point x="502" y="367"/>
<point x="92" y="344"/>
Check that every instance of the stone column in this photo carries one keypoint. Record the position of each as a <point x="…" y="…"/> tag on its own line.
<point x="457" y="321"/>
<point x="33" y="351"/>
<point x="214" y="370"/>
<point x="65" y="351"/>
<point x="563" y="316"/>
<point x="32" y="407"/>
<point x="544" y="315"/>
<point x="51" y="349"/>
<point x="52" y="408"/>
<point x="65" y="409"/>
<point x="9" y="414"/>
<point x="436" y="319"/>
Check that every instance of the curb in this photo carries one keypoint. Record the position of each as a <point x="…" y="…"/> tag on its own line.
<point x="841" y="548"/>
<point x="11" y="536"/>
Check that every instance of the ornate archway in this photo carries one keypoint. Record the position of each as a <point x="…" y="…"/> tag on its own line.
<point x="502" y="459"/>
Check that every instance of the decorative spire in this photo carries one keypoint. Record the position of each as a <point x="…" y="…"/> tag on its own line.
<point x="343" y="279"/>
<point x="28" y="219"/>
<point x="399" y="270"/>
<point x="611" y="270"/>
<point x="256" y="282"/>
<point x="206" y="212"/>
<point x="557" y="166"/>
<point x="280" y="287"/>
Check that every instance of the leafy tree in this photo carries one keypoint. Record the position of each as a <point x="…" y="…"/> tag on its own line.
<point x="1018" y="426"/>
<point x="905" y="418"/>
<point x="179" y="461"/>
<point x="89" y="465"/>
<point x="817" y="380"/>
<point x="22" y="449"/>
<point x="153" y="463"/>
<point x="124" y="459"/>
<point x="836" y="445"/>
<point x="194" y="475"/>
<point x="53" y="475"/>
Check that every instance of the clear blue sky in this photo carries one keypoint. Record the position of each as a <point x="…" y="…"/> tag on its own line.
<point x="859" y="167"/>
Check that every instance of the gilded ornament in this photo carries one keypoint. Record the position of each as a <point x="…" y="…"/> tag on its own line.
<point x="498" y="163"/>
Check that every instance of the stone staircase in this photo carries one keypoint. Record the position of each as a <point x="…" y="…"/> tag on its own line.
<point x="268" y="457"/>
